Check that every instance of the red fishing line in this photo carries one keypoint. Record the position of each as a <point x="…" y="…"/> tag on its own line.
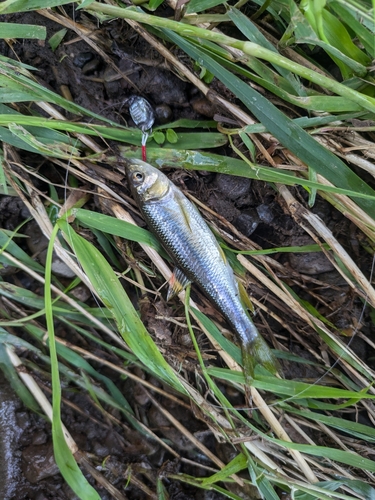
<point x="144" y="140"/>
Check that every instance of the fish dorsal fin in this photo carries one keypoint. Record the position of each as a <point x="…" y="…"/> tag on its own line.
<point x="245" y="300"/>
<point x="177" y="282"/>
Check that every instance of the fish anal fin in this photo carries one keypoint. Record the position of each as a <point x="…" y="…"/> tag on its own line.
<point x="177" y="282"/>
<point x="245" y="300"/>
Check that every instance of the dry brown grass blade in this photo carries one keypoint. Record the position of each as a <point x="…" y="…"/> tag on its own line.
<point x="350" y="210"/>
<point x="337" y="468"/>
<point x="282" y="434"/>
<point x="341" y="202"/>
<point x="358" y="143"/>
<point x="133" y="479"/>
<point x="317" y="226"/>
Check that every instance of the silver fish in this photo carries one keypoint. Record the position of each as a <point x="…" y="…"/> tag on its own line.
<point x="188" y="240"/>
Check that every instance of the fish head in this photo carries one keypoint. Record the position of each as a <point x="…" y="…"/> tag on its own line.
<point x="146" y="182"/>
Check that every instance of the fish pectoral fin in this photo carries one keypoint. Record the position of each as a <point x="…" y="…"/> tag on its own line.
<point x="244" y="298"/>
<point x="184" y="212"/>
<point x="222" y="253"/>
<point x="177" y="282"/>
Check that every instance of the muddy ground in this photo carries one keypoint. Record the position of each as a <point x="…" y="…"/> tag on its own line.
<point x="27" y="468"/>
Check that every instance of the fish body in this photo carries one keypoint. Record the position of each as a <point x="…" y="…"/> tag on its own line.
<point x="188" y="240"/>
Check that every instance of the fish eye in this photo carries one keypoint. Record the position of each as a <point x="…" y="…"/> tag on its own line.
<point x="138" y="176"/>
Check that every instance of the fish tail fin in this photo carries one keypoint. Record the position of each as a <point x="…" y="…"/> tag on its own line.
<point x="248" y="363"/>
<point x="264" y="355"/>
<point x="258" y="352"/>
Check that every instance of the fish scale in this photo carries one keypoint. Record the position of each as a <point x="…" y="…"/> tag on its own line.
<point x="188" y="240"/>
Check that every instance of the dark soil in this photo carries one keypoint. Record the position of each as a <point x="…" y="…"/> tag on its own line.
<point x="27" y="468"/>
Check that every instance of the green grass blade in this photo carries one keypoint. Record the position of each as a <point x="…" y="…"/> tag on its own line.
<point x="14" y="30"/>
<point x="225" y="344"/>
<point x="13" y="378"/>
<point x="63" y="455"/>
<point x="161" y="490"/>
<point x="57" y="38"/>
<point x="362" y="12"/>
<point x="270" y="251"/>
<point x="189" y="140"/>
<point x="357" y="486"/>
<point x="360" y="431"/>
<point x="55" y="149"/>
<point x="344" y="457"/>
<point x="290" y="388"/>
<point x="6" y="242"/>
<point x="42" y="127"/>
<point x="10" y="6"/>
<point x="8" y="95"/>
<point x="252" y="33"/>
<point x="42" y="133"/>
<point x="22" y="295"/>
<point x="307" y="122"/>
<point x="277" y="86"/>
<point x="107" y="244"/>
<point x="364" y="35"/>
<point x="11" y="139"/>
<point x="185" y="123"/>
<point x="11" y="77"/>
<point x="199" y="160"/>
<point x="116" y="227"/>
<point x="236" y="465"/>
<point x="200" y="5"/>
<point x="110" y="291"/>
<point x="338" y="56"/>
